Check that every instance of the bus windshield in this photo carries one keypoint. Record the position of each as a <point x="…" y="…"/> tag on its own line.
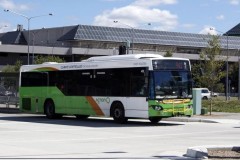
<point x="170" y="84"/>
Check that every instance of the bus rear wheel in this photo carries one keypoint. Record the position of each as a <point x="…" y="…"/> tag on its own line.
<point x="50" y="110"/>
<point x="118" y="113"/>
<point x="154" y="120"/>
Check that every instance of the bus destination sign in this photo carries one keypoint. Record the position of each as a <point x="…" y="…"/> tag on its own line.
<point x="171" y="65"/>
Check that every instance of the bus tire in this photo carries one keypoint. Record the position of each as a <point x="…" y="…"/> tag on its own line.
<point x="50" y="110"/>
<point x="154" y="120"/>
<point x="118" y="113"/>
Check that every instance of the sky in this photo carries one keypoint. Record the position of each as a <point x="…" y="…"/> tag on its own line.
<point x="186" y="16"/>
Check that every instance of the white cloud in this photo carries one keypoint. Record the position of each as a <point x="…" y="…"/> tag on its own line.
<point x="220" y="17"/>
<point x="4" y="27"/>
<point x="208" y="30"/>
<point x="140" y="12"/>
<point x="234" y="2"/>
<point x="152" y="3"/>
<point x="8" y="4"/>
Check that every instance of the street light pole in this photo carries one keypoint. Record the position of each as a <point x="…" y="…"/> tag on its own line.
<point x="33" y="43"/>
<point x="28" y="20"/>
<point x="227" y="81"/>
<point x="238" y="75"/>
<point x="132" y="35"/>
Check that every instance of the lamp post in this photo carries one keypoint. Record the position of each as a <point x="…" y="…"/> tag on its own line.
<point x="238" y="75"/>
<point x="227" y="83"/>
<point x="28" y="19"/>
<point x="34" y="34"/>
<point x="132" y="35"/>
<point x="33" y="44"/>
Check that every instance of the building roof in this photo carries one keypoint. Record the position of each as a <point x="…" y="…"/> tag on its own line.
<point x="15" y="37"/>
<point x="55" y="37"/>
<point x="69" y="33"/>
<point x="235" y="31"/>
<point x="113" y="34"/>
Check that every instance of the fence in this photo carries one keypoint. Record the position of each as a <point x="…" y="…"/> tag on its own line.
<point x="9" y="89"/>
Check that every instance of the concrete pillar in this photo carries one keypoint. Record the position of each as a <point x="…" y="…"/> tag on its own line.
<point x="197" y="101"/>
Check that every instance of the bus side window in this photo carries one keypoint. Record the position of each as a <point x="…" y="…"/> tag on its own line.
<point x="34" y="79"/>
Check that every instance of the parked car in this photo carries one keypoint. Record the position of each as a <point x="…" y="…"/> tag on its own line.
<point x="213" y="94"/>
<point x="206" y="94"/>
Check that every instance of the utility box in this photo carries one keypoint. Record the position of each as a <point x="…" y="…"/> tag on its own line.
<point x="197" y="101"/>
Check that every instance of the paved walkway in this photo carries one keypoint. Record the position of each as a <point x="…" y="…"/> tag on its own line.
<point x="215" y="117"/>
<point x="220" y="115"/>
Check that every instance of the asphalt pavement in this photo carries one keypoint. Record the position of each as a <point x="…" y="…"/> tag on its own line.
<point x="201" y="152"/>
<point x="193" y="152"/>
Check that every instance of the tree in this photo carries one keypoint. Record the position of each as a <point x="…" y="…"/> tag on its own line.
<point x="233" y="76"/>
<point x="212" y="64"/>
<point x="168" y="54"/>
<point x="210" y="67"/>
<point x="13" y="68"/>
<point x="42" y="59"/>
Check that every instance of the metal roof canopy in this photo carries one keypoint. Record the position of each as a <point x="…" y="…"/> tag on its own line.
<point x="112" y="34"/>
<point x="53" y="37"/>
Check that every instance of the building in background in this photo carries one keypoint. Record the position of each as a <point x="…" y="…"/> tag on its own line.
<point x="74" y="42"/>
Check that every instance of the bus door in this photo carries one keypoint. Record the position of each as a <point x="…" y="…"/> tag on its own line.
<point x="137" y="104"/>
<point x="136" y="107"/>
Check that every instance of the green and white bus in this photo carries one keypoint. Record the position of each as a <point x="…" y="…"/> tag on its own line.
<point x="146" y="86"/>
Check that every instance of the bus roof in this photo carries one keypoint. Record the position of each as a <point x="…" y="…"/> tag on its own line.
<point x="123" y="57"/>
<point x="116" y="61"/>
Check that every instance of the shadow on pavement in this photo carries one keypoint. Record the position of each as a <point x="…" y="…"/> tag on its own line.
<point x="174" y="158"/>
<point x="72" y="121"/>
<point x="111" y="156"/>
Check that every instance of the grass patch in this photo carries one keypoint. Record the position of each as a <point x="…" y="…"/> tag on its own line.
<point x="219" y="104"/>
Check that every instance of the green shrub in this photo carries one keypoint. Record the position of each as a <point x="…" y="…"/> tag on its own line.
<point x="232" y="106"/>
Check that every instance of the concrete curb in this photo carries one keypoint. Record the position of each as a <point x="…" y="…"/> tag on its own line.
<point x="184" y="119"/>
<point x="202" y="151"/>
<point x="197" y="152"/>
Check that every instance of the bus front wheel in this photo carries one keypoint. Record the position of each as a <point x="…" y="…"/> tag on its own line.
<point x="154" y="120"/>
<point x="118" y="113"/>
<point x="50" y="110"/>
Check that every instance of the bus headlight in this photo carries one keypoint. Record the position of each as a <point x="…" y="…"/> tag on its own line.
<point x="157" y="108"/>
